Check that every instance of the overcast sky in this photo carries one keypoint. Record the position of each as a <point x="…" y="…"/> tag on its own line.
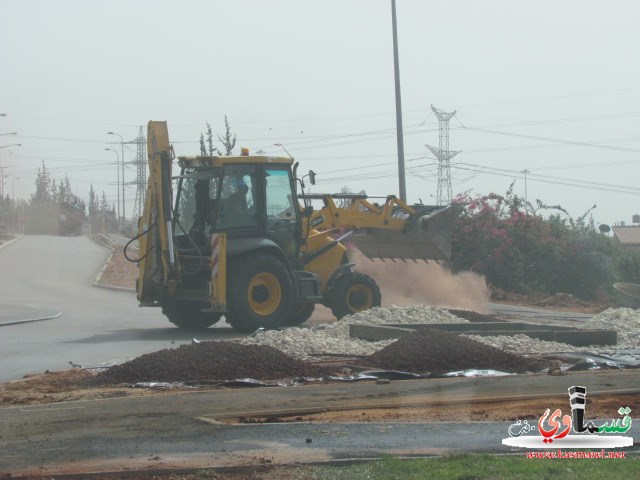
<point x="548" y="86"/>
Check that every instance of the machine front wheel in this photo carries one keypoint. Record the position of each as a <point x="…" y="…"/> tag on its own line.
<point x="353" y="293"/>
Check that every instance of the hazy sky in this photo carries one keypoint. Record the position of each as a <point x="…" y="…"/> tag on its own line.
<point x="548" y="86"/>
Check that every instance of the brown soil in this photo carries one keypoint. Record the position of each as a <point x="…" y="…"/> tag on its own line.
<point x="261" y="471"/>
<point x="597" y="407"/>
<point x="120" y="272"/>
<point x="436" y="351"/>
<point x="560" y="301"/>
<point x="475" y="316"/>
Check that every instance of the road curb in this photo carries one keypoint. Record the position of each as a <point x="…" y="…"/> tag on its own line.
<point x="96" y="283"/>
<point x="30" y="320"/>
<point x="113" y="287"/>
<point x="11" y="241"/>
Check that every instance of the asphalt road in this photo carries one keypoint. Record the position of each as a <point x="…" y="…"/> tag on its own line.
<point x="97" y="326"/>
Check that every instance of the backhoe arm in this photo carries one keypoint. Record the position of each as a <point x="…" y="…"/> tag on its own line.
<point x="157" y="268"/>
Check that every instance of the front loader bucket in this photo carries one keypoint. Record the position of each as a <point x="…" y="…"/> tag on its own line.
<point x="427" y="236"/>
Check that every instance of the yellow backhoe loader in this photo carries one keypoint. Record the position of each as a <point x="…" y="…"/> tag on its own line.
<point x="241" y="239"/>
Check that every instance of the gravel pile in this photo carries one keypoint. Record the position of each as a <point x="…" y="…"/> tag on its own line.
<point x="334" y="338"/>
<point x="209" y="361"/>
<point x="437" y="351"/>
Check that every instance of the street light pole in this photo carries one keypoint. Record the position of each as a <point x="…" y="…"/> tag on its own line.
<point x="2" y="168"/>
<point x="13" y="189"/>
<point x="15" y="205"/>
<point x="124" y="213"/>
<point x="399" y="131"/>
<point x="118" y="172"/>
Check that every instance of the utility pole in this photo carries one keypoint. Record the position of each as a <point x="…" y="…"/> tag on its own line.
<point x="117" y="184"/>
<point x="399" y="132"/>
<point x="526" y="198"/>
<point x="124" y="214"/>
<point x="6" y="166"/>
<point x="443" y="155"/>
<point x="141" y="174"/>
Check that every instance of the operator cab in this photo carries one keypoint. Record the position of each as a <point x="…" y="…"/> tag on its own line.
<point x="244" y="196"/>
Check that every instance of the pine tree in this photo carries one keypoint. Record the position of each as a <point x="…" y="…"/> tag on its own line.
<point x="203" y="148"/>
<point x="229" y="141"/>
<point x="104" y="204"/>
<point x="93" y="202"/>
<point x="42" y="195"/>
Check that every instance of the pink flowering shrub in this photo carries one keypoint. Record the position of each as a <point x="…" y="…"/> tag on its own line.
<point x="519" y="250"/>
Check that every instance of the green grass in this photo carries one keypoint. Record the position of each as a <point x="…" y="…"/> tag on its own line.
<point x="476" y="467"/>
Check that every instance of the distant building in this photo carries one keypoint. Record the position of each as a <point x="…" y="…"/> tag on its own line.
<point x="627" y="236"/>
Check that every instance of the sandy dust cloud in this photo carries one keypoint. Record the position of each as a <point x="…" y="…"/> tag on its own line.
<point x="412" y="283"/>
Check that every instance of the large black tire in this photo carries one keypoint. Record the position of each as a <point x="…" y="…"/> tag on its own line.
<point x="353" y="293"/>
<point x="259" y="292"/>
<point x="189" y="315"/>
<point x="300" y="313"/>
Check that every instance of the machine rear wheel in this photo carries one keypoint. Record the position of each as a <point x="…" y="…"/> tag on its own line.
<point x="189" y="315"/>
<point x="259" y="292"/>
<point x="354" y="293"/>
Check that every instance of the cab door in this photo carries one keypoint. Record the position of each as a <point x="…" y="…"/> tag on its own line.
<point x="282" y="222"/>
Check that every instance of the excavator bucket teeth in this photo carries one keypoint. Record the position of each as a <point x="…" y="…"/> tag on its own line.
<point x="426" y="237"/>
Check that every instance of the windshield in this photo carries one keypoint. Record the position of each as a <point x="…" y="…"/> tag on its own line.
<point x="466" y="257"/>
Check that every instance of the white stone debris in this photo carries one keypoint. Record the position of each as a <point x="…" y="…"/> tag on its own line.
<point x="626" y="321"/>
<point x="523" y="344"/>
<point x="334" y="338"/>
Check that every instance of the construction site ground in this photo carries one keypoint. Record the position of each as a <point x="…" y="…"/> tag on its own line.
<point x="116" y="425"/>
<point x="71" y="385"/>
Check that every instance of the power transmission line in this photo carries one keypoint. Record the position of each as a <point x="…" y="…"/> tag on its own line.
<point x="442" y="153"/>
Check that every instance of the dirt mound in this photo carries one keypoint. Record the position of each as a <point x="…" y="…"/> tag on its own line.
<point x="559" y="301"/>
<point x="436" y="351"/>
<point x="475" y="316"/>
<point x="209" y="361"/>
